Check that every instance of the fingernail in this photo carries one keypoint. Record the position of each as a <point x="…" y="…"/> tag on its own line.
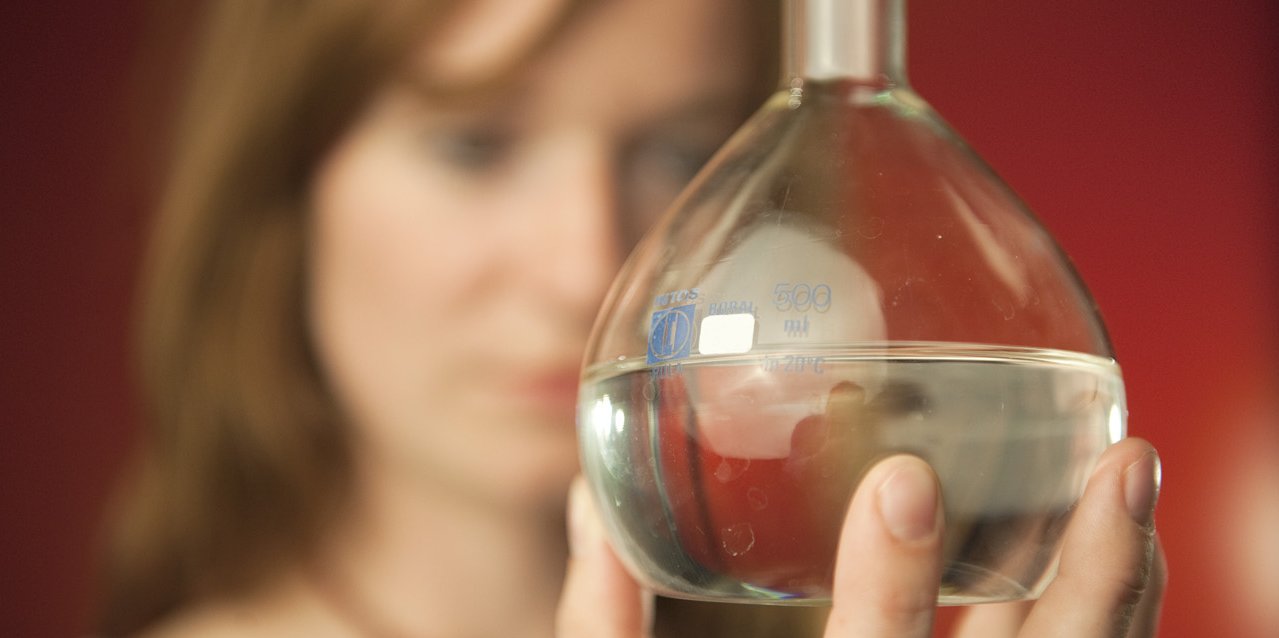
<point x="1141" y="487"/>
<point x="908" y="501"/>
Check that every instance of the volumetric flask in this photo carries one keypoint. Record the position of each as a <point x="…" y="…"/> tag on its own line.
<point x="845" y="280"/>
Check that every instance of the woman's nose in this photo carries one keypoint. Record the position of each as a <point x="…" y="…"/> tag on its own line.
<point x="582" y="247"/>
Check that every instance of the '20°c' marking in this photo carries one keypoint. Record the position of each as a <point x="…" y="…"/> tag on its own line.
<point x="794" y="363"/>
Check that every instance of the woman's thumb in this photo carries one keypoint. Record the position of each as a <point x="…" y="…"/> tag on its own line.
<point x="600" y="598"/>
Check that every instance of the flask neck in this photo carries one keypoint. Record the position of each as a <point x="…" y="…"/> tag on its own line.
<point x="859" y="40"/>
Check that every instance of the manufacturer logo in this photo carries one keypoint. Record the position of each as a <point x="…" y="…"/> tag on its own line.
<point x="670" y="335"/>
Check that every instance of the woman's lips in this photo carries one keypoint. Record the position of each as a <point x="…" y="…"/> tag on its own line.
<point x="554" y="391"/>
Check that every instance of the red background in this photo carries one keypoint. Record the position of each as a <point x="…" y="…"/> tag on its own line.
<point x="1143" y="132"/>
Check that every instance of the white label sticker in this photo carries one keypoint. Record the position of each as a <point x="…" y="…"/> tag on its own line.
<point x="727" y="334"/>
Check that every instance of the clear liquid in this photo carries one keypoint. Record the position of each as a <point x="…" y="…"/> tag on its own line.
<point x="728" y="477"/>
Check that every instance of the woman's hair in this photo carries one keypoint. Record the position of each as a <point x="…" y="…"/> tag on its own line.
<point x="245" y="459"/>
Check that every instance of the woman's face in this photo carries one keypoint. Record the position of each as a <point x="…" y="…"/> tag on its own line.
<point x="460" y="248"/>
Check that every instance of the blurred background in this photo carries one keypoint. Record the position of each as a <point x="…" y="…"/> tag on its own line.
<point x="1145" y="133"/>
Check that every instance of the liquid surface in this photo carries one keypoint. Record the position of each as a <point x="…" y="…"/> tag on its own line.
<point x="728" y="477"/>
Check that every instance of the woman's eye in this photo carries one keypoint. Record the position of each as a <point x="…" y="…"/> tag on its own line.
<point x="658" y="170"/>
<point x="653" y="173"/>
<point x="471" y="150"/>
<point x="674" y="161"/>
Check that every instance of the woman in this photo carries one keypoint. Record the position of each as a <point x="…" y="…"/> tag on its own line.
<point x="382" y="245"/>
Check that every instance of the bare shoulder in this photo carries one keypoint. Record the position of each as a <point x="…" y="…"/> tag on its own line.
<point x="251" y="618"/>
<point x="213" y="621"/>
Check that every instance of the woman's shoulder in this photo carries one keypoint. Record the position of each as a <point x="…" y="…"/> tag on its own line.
<point x="246" y="618"/>
<point x="217" y="620"/>
<point x="207" y="621"/>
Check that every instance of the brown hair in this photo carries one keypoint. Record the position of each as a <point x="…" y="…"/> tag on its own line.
<point x="245" y="460"/>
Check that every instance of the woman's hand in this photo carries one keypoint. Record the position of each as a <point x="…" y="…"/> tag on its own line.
<point x="1109" y="584"/>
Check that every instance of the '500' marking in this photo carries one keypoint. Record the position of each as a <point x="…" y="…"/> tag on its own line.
<point x="801" y="297"/>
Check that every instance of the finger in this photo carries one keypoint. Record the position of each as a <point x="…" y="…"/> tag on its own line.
<point x="889" y="564"/>
<point x="600" y="599"/>
<point x="993" y="620"/>
<point x="1106" y="558"/>
<point x="1145" y="622"/>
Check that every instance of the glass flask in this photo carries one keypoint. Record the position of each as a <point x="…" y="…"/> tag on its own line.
<point x="843" y="281"/>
